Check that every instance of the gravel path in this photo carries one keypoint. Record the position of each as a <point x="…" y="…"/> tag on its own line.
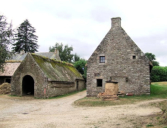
<point x="27" y="112"/>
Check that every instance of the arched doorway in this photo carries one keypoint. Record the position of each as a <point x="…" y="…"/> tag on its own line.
<point x="28" y="85"/>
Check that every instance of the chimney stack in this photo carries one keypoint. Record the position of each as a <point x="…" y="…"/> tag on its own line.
<point x="57" y="52"/>
<point x="116" y="22"/>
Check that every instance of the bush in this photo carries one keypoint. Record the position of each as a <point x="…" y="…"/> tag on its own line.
<point x="159" y="73"/>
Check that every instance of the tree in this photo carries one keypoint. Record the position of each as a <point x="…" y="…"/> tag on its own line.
<point x="25" y="38"/>
<point x="155" y="63"/>
<point x="152" y="58"/>
<point x="76" y="57"/>
<point x="80" y="66"/>
<point x="6" y="38"/>
<point x="64" y="52"/>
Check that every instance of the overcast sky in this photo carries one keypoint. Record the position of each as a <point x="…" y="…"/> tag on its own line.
<point x="83" y="23"/>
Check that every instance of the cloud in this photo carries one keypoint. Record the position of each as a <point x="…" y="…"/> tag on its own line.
<point x="83" y="24"/>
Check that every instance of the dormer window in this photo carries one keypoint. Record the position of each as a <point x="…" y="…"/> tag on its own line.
<point x="102" y="59"/>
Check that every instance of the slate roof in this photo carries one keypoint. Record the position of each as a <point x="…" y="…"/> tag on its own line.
<point x="9" y="68"/>
<point x="57" y="70"/>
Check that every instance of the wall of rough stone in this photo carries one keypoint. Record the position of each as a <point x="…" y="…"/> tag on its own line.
<point x="132" y="75"/>
<point x="29" y="67"/>
<point x="57" y="88"/>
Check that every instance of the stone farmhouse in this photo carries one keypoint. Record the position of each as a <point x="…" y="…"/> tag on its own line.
<point x="117" y="58"/>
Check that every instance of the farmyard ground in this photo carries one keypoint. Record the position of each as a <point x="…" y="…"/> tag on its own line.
<point x="27" y="112"/>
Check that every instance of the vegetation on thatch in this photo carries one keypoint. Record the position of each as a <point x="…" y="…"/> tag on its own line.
<point x="57" y="70"/>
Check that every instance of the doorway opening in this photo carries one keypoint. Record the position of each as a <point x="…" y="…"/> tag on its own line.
<point x="77" y="85"/>
<point x="28" y="85"/>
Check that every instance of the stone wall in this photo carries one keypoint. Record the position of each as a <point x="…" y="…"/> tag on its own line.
<point x="59" y="88"/>
<point x="29" y="67"/>
<point x="124" y="63"/>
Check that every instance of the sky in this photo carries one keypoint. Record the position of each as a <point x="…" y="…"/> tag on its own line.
<point x="82" y="24"/>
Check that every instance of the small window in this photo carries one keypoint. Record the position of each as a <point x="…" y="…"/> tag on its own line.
<point x="8" y="80"/>
<point x="99" y="82"/>
<point x="134" y="57"/>
<point x="102" y="59"/>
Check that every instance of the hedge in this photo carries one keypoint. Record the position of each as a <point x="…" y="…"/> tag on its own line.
<point x="159" y="73"/>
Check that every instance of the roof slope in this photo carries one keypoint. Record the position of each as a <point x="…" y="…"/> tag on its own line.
<point x="9" y="69"/>
<point x="57" y="70"/>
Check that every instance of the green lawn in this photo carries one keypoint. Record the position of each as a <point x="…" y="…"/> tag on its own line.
<point x="158" y="91"/>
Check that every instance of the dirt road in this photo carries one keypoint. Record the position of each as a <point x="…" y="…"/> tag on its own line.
<point x="27" y="112"/>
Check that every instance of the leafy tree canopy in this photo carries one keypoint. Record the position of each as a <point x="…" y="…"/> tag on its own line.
<point x="25" y="38"/>
<point x="152" y="58"/>
<point x="155" y="63"/>
<point x="80" y="66"/>
<point x="76" y="58"/>
<point x="6" y="38"/>
<point x="64" y="52"/>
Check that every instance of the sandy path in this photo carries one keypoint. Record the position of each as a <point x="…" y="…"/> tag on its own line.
<point x="19" y="112"/>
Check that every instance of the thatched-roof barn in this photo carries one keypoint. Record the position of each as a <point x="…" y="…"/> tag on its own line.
<point x="44" y="77"/>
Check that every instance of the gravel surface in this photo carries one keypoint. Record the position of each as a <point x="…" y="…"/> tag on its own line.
<point x="27" y="112"/>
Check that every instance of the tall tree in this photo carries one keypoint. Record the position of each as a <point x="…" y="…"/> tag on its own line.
<point x="25" y="38"/>
<point x="6" y="38"/>
<point x="152" y="58"/>
<point x="64" y="52"/>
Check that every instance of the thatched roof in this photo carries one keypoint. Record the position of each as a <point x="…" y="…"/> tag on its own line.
<point x="57" y="70"/>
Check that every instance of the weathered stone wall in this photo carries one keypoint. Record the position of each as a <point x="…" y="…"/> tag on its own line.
<point x="29" y="67"/>
<point x="81" y="85"/>
<point x="132" y="75"/>
<point x="56" y="89"/>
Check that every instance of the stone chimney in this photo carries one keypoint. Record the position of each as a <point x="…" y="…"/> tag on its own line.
<point x="116" y="22"/>
<point x="57" y="52"/>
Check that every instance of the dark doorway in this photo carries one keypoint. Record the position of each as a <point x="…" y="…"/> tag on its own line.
<point x="28" y="85"/>
<point x="77" y="85"/>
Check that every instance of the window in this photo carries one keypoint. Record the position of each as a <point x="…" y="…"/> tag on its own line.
<point x="134" y="57"/>
<point x="99" y="82"/>
<point x="102" y="59"/>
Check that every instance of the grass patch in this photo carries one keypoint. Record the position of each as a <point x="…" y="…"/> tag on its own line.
<point x="158" y="91"/>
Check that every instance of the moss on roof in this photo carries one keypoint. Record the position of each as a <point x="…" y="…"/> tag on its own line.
<point x="13" y="61"/>
<point x="57" y="70"/>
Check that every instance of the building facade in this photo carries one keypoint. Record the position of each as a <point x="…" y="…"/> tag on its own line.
<point x="119" y="59"/>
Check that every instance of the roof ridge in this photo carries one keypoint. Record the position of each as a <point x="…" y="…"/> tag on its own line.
<point x="57" y="61"/>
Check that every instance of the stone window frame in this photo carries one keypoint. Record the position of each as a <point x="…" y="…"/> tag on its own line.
<point x="98" y="59"/>
<point x="101" y="59"/>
